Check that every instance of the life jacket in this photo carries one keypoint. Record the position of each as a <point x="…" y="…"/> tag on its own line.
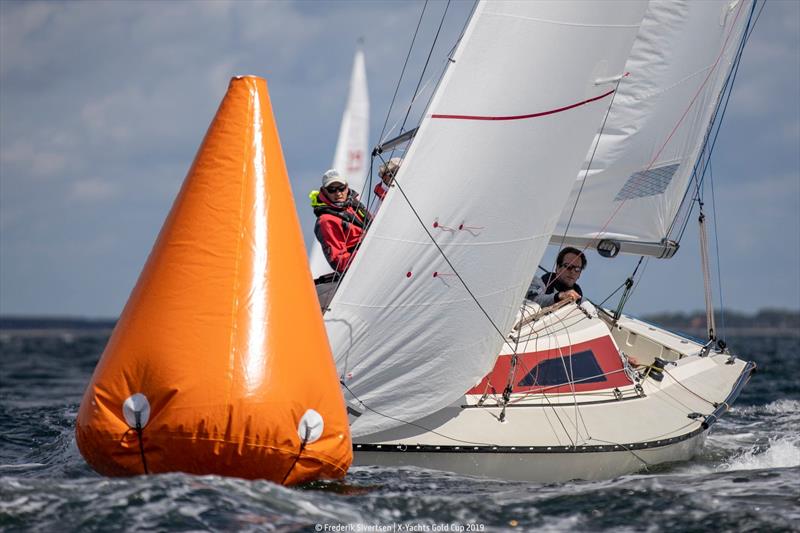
<point x="339" y="246"/>
<point x="322" y="206"/>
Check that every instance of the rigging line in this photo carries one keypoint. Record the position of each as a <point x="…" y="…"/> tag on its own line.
<point x="691" y="423"/>
<point x="589" y="164"/>
<point x="463" y="29"/>
<point x="414" y="424"/>
<point x="713" y="404"/>
<point x="609" y="296"/>
<point x="721" y="109"/>
<point x="402" y="72"/>
<point x="641" y="277"/>
<point x="628" y="287"/>
<point x="571" y="383"/>
<point x="727" y="87"/>
<point x="449" y="57"/>
<point x="543" y="390"/>
<point x="645" y="463"/>
<point x="699" y="90"/>
<point x="516" y="361"/>
<point x="427" y="60"/>
<point x="716" y="246"/>
<point x="447" y="62"/>
<point x="755" y="21"/>
<point x="450" y="264"/>
<point x="550" y="404"/>
<point x="680" y="120"/>
<point x="570" y="375"/>
<point x="671" y="400"/>
<point x="748" y="31"/>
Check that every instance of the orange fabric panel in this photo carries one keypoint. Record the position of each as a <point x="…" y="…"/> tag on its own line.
<point x="223" y="334"/>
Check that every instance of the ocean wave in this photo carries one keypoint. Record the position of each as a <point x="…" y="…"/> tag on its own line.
<point x="777" y="407"/>
<point x="780" y="452"/>
<point x="21" y="466"/>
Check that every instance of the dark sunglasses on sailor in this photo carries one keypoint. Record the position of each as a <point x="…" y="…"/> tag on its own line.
<point x="333" y="189"/>
<point x="573" y="268"/>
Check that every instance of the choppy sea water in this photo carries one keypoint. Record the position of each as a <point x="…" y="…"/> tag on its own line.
<point x="746" y="479"/>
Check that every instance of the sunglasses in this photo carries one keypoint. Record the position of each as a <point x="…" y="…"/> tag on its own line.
<point x="334" y="189"/>
<point x="572" y="268"/>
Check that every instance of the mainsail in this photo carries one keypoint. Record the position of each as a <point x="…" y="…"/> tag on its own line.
<point x="351" y="155"/>
<point x="476" y="199"/>
<point x="656" y="128"/>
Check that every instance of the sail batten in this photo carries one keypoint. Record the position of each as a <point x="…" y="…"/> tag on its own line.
<point x="416" y="323"/>
<point x="656" y="129"/>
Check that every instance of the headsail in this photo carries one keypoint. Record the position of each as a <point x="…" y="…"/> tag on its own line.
<point x="352" y="156"/>
<point x="654" y="133"/>
<point x="486" y="178"/>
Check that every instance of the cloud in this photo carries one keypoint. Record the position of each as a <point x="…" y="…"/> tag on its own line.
<point x="104" y="105"/>
<point x="18" y="21"/>
<point x="92" y="190"/>
<point x="39" y="161"/>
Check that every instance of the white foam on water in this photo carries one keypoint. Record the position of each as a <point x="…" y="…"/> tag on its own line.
<point x="778" y="407"/>
<point x="783" y="452"/>
<point x="783" y="406"/>
<point x="21" y="466"/>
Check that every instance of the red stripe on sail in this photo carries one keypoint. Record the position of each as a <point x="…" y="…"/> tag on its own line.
<point x="520" y="117"/>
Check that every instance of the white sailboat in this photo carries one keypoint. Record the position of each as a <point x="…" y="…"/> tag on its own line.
<point x="351" y="156"/>
<point x="427" y="303"/>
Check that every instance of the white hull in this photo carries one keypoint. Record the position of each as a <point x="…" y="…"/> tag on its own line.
<point x="539" y="467"/>
<point x="592" y="434"/>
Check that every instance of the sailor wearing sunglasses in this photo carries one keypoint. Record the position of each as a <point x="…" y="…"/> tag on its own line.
<point x="341" y="220"/>
<point x="562" y="284"/>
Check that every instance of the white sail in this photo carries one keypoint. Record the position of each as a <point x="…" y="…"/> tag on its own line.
<point x="487" y="174"/>
<point x="655" y="130"/>
<point x="351" y="157"/>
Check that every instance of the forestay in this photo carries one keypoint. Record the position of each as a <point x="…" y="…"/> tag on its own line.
<point x="351" y="155"/>
<point x="656" y="128"/>
<point x="488" y="174"/>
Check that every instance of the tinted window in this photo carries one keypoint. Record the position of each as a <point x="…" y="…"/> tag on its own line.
<point x="558" y="371"/>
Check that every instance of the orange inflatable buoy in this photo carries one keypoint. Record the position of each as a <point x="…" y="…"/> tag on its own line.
<point x="220" y="363"/>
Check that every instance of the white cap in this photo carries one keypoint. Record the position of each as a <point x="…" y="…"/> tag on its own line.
<point x="390" y="166"/>
<point x="333" y="176"/>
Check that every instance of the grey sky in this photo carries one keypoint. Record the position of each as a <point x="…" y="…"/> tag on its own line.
<point x="104" y="104"/>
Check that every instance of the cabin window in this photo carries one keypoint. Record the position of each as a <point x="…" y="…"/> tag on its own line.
<point x="558" y="371"/>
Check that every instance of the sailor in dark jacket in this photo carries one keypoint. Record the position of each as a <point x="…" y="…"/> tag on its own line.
<point x="562" y="284"/>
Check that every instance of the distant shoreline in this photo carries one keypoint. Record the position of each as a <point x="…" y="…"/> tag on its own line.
<point x="741" y="332"/>
<point x="767" y="323"/>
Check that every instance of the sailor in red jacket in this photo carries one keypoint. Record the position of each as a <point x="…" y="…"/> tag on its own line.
<point x="341" y="218"/>
<point x="341" y="222"/>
